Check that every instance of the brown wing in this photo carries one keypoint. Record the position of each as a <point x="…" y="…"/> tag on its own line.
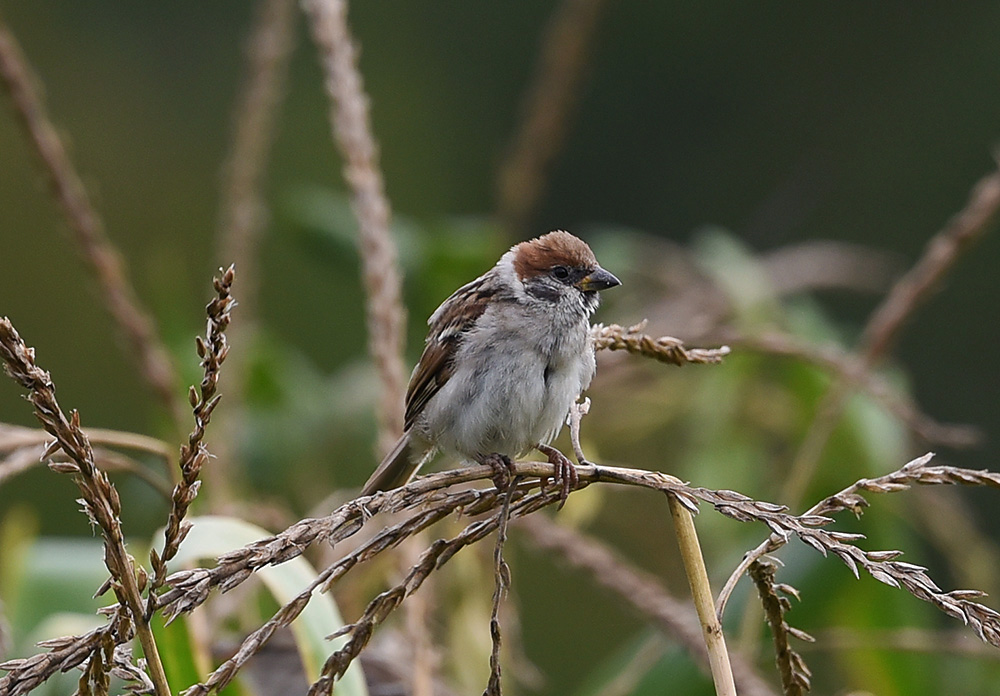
<point x="449" y="324"/>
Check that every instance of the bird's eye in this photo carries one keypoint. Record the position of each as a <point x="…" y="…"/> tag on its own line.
<point x="560" y="273"/>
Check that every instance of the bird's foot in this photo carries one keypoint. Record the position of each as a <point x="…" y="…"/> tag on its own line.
<point x="503" y="469"/>
<point x="566" y="476"/>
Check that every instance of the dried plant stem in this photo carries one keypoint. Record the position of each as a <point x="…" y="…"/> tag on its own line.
<point x="439" y="553"/>
<point x="673" y="617"/>
<point x="243" y="212"/>
<point x="429" y="502"/>
<point x="850" y="369"/>
<point x="243" y="215"/>
<point x="15" y="436"/>
<point x="917" y="471"/>
<point x="978" y="217"/>
<point x="194" y="454"/>
<point x="795" y="675"/>
<point x="501" y="578"/>
<point x="350" y="121"/>
<point x="546" y="110"/>
<point x="26" y="458"/>
<point x="701" y="592"/>
<point x="100" y="499"/>
<point x="885" y="323"/>
<point x="25" y="447"/>
<point x="88" y="230"/>
<point x="191" y="588"/>
<point x="664" y="349"/>
<point x="25" y="675"/>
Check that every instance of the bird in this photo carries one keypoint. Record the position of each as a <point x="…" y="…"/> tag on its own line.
<point x="505" y="358"/>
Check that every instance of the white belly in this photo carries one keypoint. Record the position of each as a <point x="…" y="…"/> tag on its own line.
<point x="508" y="393"/>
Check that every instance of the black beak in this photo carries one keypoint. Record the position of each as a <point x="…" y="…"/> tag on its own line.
<point x="598" y="279"/>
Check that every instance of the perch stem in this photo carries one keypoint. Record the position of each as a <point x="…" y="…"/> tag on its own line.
<point x="701" y="592"/>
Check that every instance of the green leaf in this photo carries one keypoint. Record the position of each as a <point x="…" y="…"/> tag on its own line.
<point x="212" y="536"/>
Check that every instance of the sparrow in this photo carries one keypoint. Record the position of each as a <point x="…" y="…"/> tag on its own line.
<point x="505" y="358"/>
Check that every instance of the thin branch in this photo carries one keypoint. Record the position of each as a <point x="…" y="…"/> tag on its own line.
<point x="439" y="553"/>
<point x="546" y="110"/>
<point x="105" y="262"/>
<point x="501" y="579"/>
<point x="429" y="502"/>
<point x="916" y="640"/>
<point x="243" y="214"/>
<point x="5" y="632"/>
<point x="795" y="674"/>
<point x="673" y="617"/>
<point x="191" y="588"/>
<point x="351" y="125"/>
<point x="664" y="349"/>
<point x="886" y="322"/>
<point x="100" y="499"/>
<point x="917" y="471"/>
<point x="24" y="448"/>
<point x="194" y="454"/>
<point x="26" y="674"/>
<point x="971" y="224"/>
<point x="16" y="436"/>
<point x="850" y="369"/>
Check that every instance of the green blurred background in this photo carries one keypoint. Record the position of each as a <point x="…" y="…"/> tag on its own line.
<point x="729" y="129"/>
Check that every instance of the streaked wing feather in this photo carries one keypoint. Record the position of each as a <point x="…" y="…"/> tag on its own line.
<point x="449" y="323"/>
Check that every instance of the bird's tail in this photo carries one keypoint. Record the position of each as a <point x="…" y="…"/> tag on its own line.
<point x="396" y="469"/>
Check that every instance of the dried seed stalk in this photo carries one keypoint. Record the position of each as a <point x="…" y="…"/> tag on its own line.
<point x="795" y="674"/>
<point x="86" y="225"/>
<point x="194" y="454"/>
<point x="100" y="499"/>
<point x="352" y="132"/>
<point x="665" y="349"/>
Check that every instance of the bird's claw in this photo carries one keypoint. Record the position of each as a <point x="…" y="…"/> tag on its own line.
<point x="565" y="476"/>
<point x="503" y="470"/>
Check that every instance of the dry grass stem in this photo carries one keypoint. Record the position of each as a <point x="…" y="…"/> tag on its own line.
<point x="795" y="674"/>
<point x="501" y="580"/>
<point x="439" y="553"/>
<point x="26" y="674"/>
<point x="88" y="230"/>
<point x="191" y="588"/>
<point x="417" y="629"/>
<point x="426" y="496"/>
<point x="23" y="449"/>
<point x="194" y="454"/>
<point x="849" y="368"/>
<point x="915" y="472"/>
<point x="100" y="499"/>
<point x="243" y="211"/>
<point x="638" y="588"/>
<point x="887" y="320"/>
<point x="26" y="458"/>
<point x="429" y="501"/>
<point x="942" y="252"/>
<point x="16" y="436"/>
<point x="665" y="349"/>
<point x="915" y="640"/>
<point x="5" y="634"/>
<point x="701" y="593"/>
<point x="380" y="269"/>
<point x="546" y="110"/>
